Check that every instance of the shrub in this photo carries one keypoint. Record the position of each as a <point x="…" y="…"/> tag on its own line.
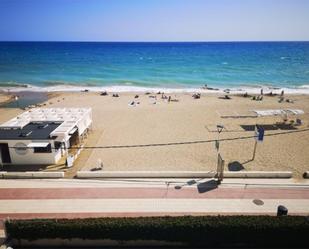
<point x="192" y="230"/>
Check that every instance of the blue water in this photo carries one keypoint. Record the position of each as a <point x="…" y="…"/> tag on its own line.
<point x="169" y="65"/>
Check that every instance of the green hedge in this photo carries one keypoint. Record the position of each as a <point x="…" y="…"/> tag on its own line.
<point x="287" y="231"/>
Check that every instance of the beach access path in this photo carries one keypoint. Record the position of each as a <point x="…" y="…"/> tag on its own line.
<point x="65" y="198"/>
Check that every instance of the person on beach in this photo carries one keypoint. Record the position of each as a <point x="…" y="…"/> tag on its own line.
<point x="196" y="95"/>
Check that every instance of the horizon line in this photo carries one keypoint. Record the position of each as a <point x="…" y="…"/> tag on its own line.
<point x="137" y="41"/>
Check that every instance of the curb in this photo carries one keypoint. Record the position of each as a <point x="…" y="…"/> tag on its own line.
<point x="182" y="174"/>
<point x="145" y="174"/>
<point x="30" y="175"/>
<point x="258" y="174"/>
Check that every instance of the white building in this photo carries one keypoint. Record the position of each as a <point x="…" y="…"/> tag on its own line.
<point x="43" y="135"/>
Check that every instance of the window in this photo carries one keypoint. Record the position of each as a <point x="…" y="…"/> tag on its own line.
<point x="46" y="149"/>
<point x="57" y="145"/>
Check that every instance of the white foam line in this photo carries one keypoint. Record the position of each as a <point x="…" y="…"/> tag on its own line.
<point x="237" y="90"/>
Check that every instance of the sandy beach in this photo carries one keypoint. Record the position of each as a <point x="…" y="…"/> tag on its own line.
<point x="115" y="122"/>
<point x="4" y="98"/>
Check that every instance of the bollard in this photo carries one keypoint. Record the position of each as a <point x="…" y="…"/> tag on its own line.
<point x="282" y="210"/>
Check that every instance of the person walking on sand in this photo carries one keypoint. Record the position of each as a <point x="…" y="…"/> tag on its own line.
<point x="282" y="93"/>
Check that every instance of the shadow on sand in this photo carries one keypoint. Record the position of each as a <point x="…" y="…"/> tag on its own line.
<point x="235" y="166"/>
<point x="188" y="183"/>
<point x="270" y="127"/>
<point x="202" y="187"/>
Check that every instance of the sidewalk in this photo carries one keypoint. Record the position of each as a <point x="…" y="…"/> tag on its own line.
<point x="149" y="197"/>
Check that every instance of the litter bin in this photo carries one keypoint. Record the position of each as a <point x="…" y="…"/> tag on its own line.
<point x="282" y="210"/>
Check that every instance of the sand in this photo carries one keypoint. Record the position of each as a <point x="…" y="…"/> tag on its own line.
<point x="4" y="98"/>
<point x="117" y="123"/>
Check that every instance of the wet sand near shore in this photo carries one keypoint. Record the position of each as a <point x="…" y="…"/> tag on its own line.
<point x="4" y="98"/>
<point x="115" y="122"/>
<point x="24" y="99"/>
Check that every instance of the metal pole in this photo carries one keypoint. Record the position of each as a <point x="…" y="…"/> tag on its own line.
<point x="254" y="150"/>
<point x="219" y="161"/>
<point x="220" y="169"/>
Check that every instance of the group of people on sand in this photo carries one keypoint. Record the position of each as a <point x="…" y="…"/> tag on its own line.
<point x="115" y="95"/>
<point x="271" y="94"/>
<point x="154" y="99"/>
<point x="167" y="98"/>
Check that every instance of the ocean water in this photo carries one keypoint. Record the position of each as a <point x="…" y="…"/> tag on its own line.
<point x="74" y="65"/>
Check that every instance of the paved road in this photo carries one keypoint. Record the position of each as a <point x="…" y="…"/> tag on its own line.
<point x="90" y="198"/>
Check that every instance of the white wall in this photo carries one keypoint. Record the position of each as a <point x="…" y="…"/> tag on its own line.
<point x="30" y="157"/>
<point x="84" y="123"/>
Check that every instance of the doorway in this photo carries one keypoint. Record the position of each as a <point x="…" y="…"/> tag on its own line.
<point x="5" y="153"/>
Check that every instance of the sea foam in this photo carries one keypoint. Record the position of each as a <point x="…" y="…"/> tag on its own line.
<point x="304" y="89"/>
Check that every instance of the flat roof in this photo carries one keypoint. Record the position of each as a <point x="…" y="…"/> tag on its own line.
<point x="31" y="131"/>
<point x="70" y="118"/>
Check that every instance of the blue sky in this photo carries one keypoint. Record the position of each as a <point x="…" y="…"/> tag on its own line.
<point x="153" y="20"/>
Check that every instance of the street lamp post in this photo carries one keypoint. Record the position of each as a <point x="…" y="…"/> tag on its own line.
<point x="220" y="162"/>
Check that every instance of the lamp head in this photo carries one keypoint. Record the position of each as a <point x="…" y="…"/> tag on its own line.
<point x="220" y="128"/>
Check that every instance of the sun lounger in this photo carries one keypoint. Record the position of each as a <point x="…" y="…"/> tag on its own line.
<point x="257" y="98"/>
<point x="196" y="95"/>
<point x="289" y="101"/>
<point x="298" y="122"/>
<point x="225" y="97"/>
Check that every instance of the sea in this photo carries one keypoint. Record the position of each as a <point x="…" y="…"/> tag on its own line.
<point x="144" y="66"/>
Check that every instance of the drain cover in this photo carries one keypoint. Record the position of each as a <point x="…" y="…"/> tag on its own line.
<point x="258" y="202"/>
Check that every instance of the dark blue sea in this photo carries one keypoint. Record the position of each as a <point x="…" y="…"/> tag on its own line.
<point x="65" y="65"/>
